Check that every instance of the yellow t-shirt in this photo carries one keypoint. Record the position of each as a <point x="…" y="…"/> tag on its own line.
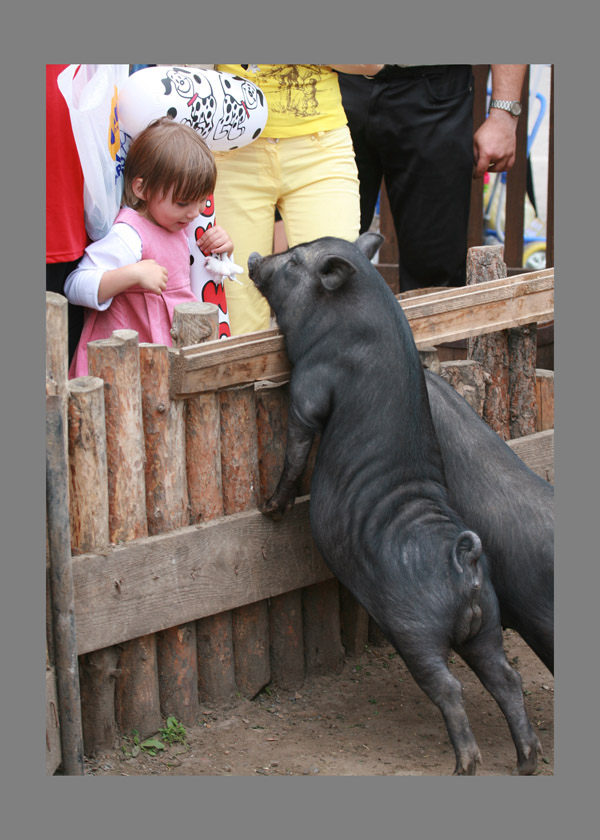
<point x="302" y="98"/>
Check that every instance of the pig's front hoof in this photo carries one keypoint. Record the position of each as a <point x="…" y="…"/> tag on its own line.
<point x="273" y="509"/>
<point x="273" y="513"/>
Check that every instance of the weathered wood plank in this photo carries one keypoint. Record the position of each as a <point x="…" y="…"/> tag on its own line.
<point x="435" y="318"/>
<point x="487" y="308"/>
<point x="537" y="451"/>
<point x="158" y="582"/>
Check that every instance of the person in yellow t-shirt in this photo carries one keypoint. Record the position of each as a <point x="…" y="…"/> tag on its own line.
<point x="302" y="165"/>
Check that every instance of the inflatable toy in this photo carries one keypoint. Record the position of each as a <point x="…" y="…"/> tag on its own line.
<point x="226" y="110"/>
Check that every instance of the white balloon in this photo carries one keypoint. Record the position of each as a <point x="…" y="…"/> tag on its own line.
<point x="226" y="110"/>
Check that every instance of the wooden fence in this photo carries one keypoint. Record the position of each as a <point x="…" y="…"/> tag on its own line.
<point x="181" y="591"/>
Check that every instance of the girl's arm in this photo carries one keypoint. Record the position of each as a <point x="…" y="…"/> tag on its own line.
<point x="122" y="246"/>
<point x="146" y="273"/>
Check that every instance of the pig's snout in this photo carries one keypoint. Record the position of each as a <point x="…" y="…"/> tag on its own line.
<point x="254" y="261"/>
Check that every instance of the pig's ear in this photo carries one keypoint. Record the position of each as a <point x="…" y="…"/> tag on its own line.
<point x="369" y="243"/>
<point x="334" y="271"/>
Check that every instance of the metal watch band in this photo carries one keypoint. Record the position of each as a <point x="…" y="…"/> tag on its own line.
<point x="512" y="106"/>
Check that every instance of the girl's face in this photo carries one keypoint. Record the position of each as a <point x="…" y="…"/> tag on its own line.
<point x="168" y="214"/>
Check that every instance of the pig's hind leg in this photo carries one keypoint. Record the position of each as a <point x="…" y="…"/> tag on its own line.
<point x="431" y="672"/>
<point x="485" y="655"/>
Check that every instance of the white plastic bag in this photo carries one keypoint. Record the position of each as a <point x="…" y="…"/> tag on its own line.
<point x="91" y="94"/>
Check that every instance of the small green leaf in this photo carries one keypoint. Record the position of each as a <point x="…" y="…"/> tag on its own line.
<point x="153" y="744"/>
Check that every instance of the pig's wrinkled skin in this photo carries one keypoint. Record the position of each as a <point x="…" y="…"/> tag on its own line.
<point x="379" y="509"/>
<point x="510" y="507"/>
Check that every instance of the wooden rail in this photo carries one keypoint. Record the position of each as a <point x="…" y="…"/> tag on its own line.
<point x="154" y="583"/>
<point x="437" y="317"/>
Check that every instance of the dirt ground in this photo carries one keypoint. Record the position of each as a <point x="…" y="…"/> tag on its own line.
<point x="369" y="720"/>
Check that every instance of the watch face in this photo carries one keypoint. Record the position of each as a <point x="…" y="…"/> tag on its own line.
<point x="515" y="108"/>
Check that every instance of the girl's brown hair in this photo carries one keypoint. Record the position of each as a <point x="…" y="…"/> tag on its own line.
<point x="168" y="154"/>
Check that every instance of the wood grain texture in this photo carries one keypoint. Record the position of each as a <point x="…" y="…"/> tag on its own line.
<point x="159" y="582"/>
<point x="435" y="318"/>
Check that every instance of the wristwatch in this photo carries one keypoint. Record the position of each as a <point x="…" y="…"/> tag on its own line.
<point x="512" y="106"/>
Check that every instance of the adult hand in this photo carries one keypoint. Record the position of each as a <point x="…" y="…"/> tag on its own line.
<point x="495" y="143"/>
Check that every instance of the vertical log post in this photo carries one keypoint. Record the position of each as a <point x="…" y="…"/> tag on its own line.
<point x="167" y="510"/>
<point x="544" y="386"/>
<point x="57" y="351"/>
<point x="522" y="352"/>
<point x="486" y="263"/>
<point x="323" y="649"/>
<point x="354" y="623"/>
<point x="194" y="323"/>
<point x="468" y="378"/>
<point x="286" y="645"/>
<point x="116" y="361"/>
<point x="89" y="532"/>
<point x="216" y="669"/>
<point x="239" y="460"/>
<point x="63" y="606"/>
<point x="88" y="476"/>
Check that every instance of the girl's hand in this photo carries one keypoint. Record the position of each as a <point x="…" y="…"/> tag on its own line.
<point x="151" y="276"/>
<point x="215" y="241"/>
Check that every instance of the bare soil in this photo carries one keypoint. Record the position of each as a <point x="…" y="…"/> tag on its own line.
<point x="369" y="720"/>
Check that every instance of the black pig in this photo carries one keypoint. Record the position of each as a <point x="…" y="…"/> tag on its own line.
<point x="510" y="507"/>
<point x="379" y="509"/>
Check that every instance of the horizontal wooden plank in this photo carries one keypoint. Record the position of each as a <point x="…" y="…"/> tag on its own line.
<point x="154" y="583"/>
<point x="455" y="314"/>
<point x="158" y="582"/>
<point x="537" y="451"/>
<point x="435" y="318"/>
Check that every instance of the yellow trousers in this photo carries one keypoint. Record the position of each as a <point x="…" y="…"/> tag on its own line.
<point x="311" y="179"/>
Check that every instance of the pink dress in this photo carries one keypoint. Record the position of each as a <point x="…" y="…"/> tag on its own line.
<point x="137" y="309"/>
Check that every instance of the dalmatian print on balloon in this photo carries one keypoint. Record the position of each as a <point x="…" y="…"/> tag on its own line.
<point x="226" y="110"/>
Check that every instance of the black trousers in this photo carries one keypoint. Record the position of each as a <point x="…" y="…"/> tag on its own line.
<point x="56" y="274"/>
<point x="413" y="126"/>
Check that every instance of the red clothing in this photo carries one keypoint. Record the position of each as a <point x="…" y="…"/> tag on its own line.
<point x="66" y="237"/>
<point x="137" y="309"/>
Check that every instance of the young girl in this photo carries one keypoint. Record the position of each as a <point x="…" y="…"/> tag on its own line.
<point x="135" y="275"/>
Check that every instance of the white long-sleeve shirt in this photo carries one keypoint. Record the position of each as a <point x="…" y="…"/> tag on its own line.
<point x="121" y="246"/>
